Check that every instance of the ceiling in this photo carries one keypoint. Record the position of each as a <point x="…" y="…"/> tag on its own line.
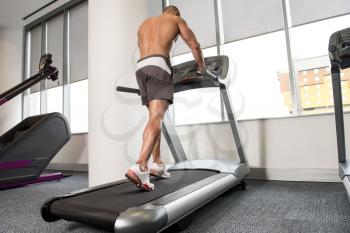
<point x="12" y="11"/>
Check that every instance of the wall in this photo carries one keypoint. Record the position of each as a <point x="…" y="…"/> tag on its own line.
<point x="73" y="156"/>
<point x="296" y="148"/>
<point x="113" y="120"/>
<point x="10" y="75"/>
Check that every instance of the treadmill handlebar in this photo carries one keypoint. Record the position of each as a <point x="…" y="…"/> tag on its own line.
<point x="128" y="89"/>
<point x="210" y="74"/>
<point x="137" y="91"/>
<point x="206" y="72"/>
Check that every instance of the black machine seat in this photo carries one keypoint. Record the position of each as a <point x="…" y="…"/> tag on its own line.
<point x="34" y="141"/>
<point x="21" y="128"/>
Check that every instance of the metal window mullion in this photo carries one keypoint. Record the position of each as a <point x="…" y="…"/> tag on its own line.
<point x="66" y="68"/>
<point x="293" y="82"/>
<point x="26" y="73"/>
<point x="43" y="84"/>
<point x="171" y="110"/>
<point x="219" y="27"/>
<point x="165" y="3"/>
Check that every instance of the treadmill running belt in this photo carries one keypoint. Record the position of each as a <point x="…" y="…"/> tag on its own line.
<point x="102" y="207"/>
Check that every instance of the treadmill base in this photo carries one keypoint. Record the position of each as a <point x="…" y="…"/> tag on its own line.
<point x="42" y="178"/>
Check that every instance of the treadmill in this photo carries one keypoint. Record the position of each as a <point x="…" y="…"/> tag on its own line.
<point x="121" y="207"/>
<point x="339" y="54"/>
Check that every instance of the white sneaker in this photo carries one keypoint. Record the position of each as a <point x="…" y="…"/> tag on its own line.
<point x="139" y="178"/>
<point x="159" y="170"/>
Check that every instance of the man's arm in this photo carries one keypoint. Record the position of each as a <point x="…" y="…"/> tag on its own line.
<point x="190" y="39"/>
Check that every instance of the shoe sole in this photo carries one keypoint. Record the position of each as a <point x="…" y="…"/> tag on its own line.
<point x="130" y="175"/>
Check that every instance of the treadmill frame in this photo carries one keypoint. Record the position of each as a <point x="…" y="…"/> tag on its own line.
<point x="161" y="213"/>
<point x="337" y="64"/>
<point x="209" y="79"/>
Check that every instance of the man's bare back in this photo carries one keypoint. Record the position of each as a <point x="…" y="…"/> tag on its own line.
<point x="156" y="36"/>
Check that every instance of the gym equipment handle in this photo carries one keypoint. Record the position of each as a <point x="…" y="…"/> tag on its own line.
<point x="128" y="89"/>
<point x="49" y="72"/>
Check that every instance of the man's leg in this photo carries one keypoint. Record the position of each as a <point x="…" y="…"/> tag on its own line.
<point x="156" y="152"/>
<point x="158" y="167"/>
<point x="152" y="131"/>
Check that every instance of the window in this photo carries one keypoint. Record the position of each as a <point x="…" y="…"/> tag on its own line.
<point x="262" y="71"/>
<point x="312" y="68"/>
<point x="64" y="34"/>
<point x="34" y="104"/>
<point x="203" y="27"/>
<point x="255" y="87"/>
<point x="307" y="11"/>
<point x="257" y="55"/>
<point x="79" y="106"/>
<point x="244" y="19"/>
<point x="55" y="99"/>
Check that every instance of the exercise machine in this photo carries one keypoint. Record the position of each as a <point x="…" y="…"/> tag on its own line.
<point x="339" y="54"/>
<point x="27" y="148"/>
<point x="121" y="207"/>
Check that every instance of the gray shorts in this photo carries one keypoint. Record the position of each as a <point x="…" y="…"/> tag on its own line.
<point x="154" y="77"/>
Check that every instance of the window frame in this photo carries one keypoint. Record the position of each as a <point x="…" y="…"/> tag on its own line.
<point x="63" y="9"/>
<point x="297" y="110"/>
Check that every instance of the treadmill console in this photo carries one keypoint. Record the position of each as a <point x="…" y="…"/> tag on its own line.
<point x="185" y="76"/>
<point x="339" y="48"/>
<point x="186" y="72"/>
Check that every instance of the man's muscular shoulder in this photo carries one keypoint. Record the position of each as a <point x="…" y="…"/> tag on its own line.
<point x="175" y="19"/>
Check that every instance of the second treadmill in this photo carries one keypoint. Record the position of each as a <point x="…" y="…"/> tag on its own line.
<point x="339" y="54"/>
<point x="120" y="207"/>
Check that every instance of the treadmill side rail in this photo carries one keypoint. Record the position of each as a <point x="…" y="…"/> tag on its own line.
<point x="234" y="167"/>
<point x="346" y="182"/>
<point x="138" y="220"/>
<point x="344" y="169"/>
<point x="191" y="202"/>
<point x="161" y="213"/>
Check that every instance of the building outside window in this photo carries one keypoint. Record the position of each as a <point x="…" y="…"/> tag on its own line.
<point x="312" y="68"/>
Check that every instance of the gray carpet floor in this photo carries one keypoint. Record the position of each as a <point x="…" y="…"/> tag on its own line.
<point x="265" y="206"/>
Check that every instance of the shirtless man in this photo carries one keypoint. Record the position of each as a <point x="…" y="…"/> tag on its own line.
<point x="154" y="77"/>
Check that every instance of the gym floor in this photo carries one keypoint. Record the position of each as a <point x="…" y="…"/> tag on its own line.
<point x="265" y="206"/>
